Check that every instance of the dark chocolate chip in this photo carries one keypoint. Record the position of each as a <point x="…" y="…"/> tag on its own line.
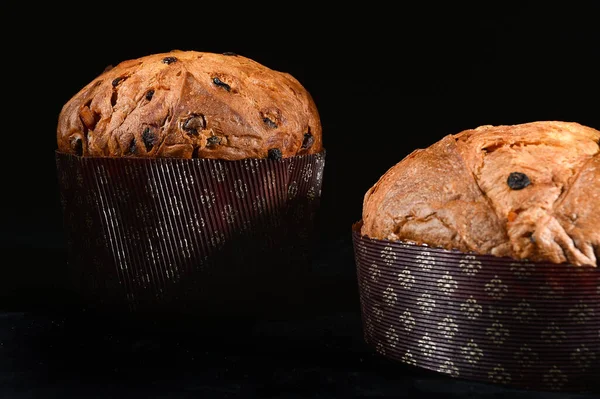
<point x="133" y="146"/>
<point x="77" y="145"/>
<point x="193" y="124"/>
<point x="222" y="84"/>
<point x="113" y="98"/>
<point x="270" y="123"/>
<point x="169" y="60"/>
<point x="275" y="154"/>
<point x="213" y="140"/>
<point x="308" y="141"/>
<point x="149" y="95"/>
<point x="518" y="180"/>
<point x="229" y="53"/>
<point x="149" y="138"/>
<point x="116" y="81"/>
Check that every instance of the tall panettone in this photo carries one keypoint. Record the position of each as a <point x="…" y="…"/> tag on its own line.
<point x="191" y="104"/>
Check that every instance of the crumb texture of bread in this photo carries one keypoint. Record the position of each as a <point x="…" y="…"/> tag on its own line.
<point x="529" y="191"/>
<point x="191" y="104"/>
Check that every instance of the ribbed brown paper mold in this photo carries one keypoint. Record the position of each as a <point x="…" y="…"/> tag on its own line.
<point x="151" y="234"/>
<point x="498" y="320"/>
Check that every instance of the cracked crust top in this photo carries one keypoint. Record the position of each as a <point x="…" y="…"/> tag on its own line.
<point x="189" y="104"/>
<point x="527" y="191"/>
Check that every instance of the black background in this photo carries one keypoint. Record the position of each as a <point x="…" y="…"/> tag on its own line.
<point x="386" y="80"/>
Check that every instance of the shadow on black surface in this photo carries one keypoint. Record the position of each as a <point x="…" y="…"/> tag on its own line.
<point x="40" y="281"/>
<point x="84" y="356"/>
<point x="50" y="350"/>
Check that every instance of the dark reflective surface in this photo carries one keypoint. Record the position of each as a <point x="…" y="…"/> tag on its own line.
<point x="50" y="350"/>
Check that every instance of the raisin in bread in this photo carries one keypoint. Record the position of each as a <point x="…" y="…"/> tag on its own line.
<point x="526" y="191"/>
<point x="189" y="104"/>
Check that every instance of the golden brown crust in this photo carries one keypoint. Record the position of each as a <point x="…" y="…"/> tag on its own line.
<point x="188" y="104"/>
<point x="456" y="194"/>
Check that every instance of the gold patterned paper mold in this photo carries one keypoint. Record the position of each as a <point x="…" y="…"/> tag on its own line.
<point x="516" y="323"/>
<point x="179" y="234"/>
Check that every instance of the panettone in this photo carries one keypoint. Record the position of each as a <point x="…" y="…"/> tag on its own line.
<point x="191" y="104"/>
<point x="526" y="191"/>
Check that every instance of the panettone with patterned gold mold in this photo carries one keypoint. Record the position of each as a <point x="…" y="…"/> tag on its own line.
<point x="477" y="257"/>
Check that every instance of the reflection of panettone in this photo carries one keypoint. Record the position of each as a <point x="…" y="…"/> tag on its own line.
<point x="527" y="191"/>
<point x="188" y="104"/>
